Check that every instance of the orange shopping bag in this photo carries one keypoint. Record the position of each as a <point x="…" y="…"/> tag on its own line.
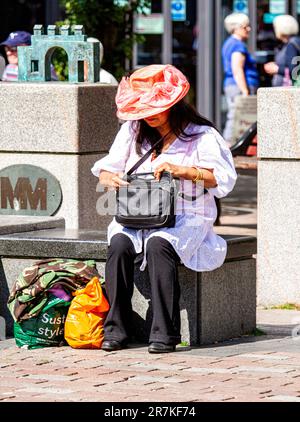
<point x="86" y="315"/>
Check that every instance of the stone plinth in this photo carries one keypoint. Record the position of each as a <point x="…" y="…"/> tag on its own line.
<point x="57" y="117"/>
<point x="63" y="128"/>
<point x="278" y="196"/>
<point x="279" y="123"/>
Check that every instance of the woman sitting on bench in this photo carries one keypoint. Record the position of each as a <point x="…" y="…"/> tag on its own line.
<point x="151" y="103"/>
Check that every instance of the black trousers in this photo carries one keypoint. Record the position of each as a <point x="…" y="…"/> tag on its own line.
<point x="165" y="291"/>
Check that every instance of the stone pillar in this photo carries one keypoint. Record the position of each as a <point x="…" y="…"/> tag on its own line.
<point x="278" y="196"/>
<point x="62" y="128"/>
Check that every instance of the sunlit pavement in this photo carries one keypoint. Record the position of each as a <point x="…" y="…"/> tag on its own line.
<point x="264" y="367"/>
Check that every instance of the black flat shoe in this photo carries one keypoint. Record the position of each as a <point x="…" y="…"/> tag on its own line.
<point x="161" y="348"/>
<point x="111" y="345"/>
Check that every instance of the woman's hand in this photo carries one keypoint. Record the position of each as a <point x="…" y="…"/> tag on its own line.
<point x="187" y="173"/>
<point x="176" y="171"/>
<point x="112" y="180"/>
<point x="271" y="68"/>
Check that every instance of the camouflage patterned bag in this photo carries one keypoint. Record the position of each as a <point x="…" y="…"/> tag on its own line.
<point x="28" y="295"/>
<point x="46" y="329"/>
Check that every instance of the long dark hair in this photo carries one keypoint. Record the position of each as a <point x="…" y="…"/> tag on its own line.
<point x="181" y="114"/>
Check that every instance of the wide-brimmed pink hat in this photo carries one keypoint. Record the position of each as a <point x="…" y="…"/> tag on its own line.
<point x="149" y="91"/>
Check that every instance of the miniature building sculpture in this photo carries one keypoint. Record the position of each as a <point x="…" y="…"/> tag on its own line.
<point x="35" y="60"/>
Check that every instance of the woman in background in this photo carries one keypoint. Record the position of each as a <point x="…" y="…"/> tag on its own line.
<point x="241" y="75"/>
<point x="286" y="29"/>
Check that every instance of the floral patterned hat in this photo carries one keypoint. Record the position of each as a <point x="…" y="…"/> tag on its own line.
<point x="149" y="91"/>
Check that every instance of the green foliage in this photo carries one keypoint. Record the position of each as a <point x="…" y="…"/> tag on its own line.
<point x="257" y="332"/>
<point x="59" y="60"/>
<point x="111" y="21"/>
<point x="288" y="307"/>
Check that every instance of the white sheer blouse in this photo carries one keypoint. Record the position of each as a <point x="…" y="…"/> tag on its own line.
<point x="193" y="236"/>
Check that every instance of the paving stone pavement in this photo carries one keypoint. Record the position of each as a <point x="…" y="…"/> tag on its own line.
<point x="250" y="369"/>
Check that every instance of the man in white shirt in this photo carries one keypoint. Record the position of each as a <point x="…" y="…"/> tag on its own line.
<point x="105" y="77"/>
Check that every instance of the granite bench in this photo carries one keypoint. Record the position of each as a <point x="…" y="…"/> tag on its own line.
<point x="215" y="306"/>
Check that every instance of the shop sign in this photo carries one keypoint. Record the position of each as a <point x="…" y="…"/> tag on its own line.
<point x="178" y="10"/>
<point x="149" y="24"/>
<point x="269" y="17"/>
<point x="241" y="6"/>
<point x="28" y="190"/>
<point x="277" y="7"/>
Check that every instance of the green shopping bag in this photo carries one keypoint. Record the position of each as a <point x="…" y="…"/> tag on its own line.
<point x="45" y="330"/>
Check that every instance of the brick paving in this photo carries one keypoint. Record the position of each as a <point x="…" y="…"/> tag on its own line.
<point x="253" y="369"/>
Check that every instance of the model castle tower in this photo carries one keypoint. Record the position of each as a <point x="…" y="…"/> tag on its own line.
<point x="35" y="60"/>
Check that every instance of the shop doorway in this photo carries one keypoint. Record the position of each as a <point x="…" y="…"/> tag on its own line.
<point x="262" y="43"/>
<point x="170" y="36"/>
<point x="194" y="43"/>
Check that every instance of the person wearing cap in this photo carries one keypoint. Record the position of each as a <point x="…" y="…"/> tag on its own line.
<point x="151" y="102"/>
<point x="15" y="39"/>
<point x="11" y="44"/>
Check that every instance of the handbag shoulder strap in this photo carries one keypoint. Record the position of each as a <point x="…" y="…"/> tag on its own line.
<point x="145" y="157"/>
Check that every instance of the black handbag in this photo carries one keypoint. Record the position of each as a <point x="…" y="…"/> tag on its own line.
<point x="147" y="203"/>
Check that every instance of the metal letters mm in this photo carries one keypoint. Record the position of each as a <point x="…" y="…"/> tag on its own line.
<point x="23" y="193"/>
<point x="35" y="60"/>
<point x="28" y="190"/>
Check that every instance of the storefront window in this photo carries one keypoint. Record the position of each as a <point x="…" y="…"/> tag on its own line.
<point x="183" y="45"/>
<point x="149" y="52"/>
<point x="297" y="8"/>
<point x="151" y="27"/>
<point x="266" y="13"/>
<point x="185" y="34"/>
<point x="266" y="39"/>
<point x="226" y="9"/>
